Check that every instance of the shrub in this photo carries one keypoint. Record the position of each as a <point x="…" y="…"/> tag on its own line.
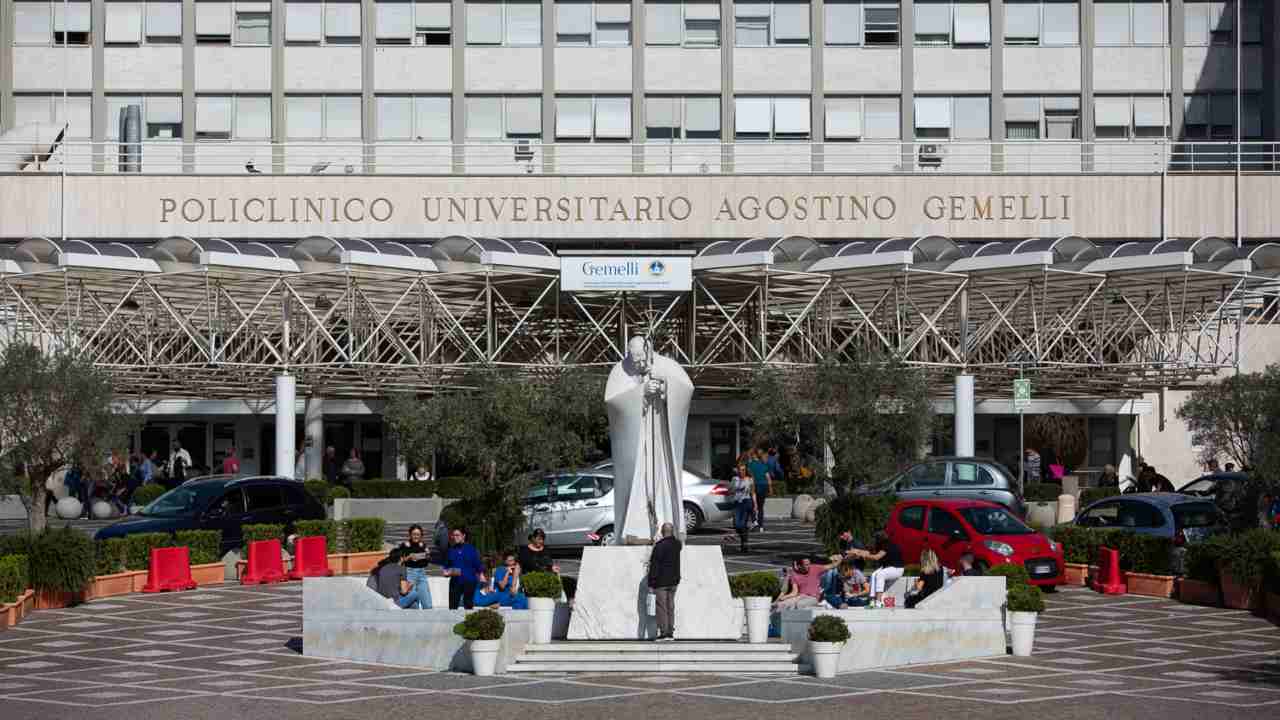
<point x="384" y="489"/>
<point x="1140" y="553"/>
<point x="1089" y="496"/>
<point x="137" y="548"/>
<point x="863" y="515"/>
<point x="205" y="545"/>
<point x="1272" y="580"/>
<point x="480" y="625"/>
<point x="20" y="543"/>
<point x="338" y="491"/>
<point x="364" y="534"/>
<point x="1248" y="555"/>
<point x="13" y="570"/>
<point x="318" y="489"/>
<point x="541" y="585"/>
<point x="755" y="584"/>
<point x="262" y="531"/>
<point x="1025" y="598"/>
<point x="109" y="556"/>
<point x="1014" y="575"/>
<point x="828" y="628"/>
<point x="61" y="560"/>
<point x="1201" y="562"/>
<point x="454" y="486"/>
<point x="327" y="528"/>
<point x="147" y="494"/>
<point x="1077" y="542"/>
<point x="1042" y="492"/>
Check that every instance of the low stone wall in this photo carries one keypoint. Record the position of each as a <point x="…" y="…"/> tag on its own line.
<point x="394" y="510"/>
<point x="778" y="508"/>
<point x="344" y="619"/>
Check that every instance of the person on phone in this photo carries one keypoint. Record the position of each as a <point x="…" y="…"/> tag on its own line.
<point x="463" y="567"/>
<point x="502" y="588"/>
<point x="415" y="566"/>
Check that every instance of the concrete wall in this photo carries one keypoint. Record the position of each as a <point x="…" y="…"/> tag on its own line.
<point x="692" y="70"/>
<point x="150" y="69"/>
<point x="862" y="70"/>
<point x="503" y="70"/>
<point x="322" y="69"/>
<point x="1042" y="70"/>
<point x="42" y="68"/>
<point x="412" y="69"/>
<point x="947" y="71"/>
<point x="771" y="70"/>
<point x="232" y="69"/>
<point x="593" y="70"/>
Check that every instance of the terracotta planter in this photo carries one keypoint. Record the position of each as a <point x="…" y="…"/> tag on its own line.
<point x="28" y="601"/>
<point x="51" y="600"/>
<point x="139" y="580"/>
<point x="1150" y="585"/>
<point x="362" y="563"/>
<point x="1076" y="573"/>
<point x="104" y="586"/>
<point x="1273" y="606"/>
<point x="1197" y="592"/>
<point x="10" y="614"/>
<point x="338" y="563"/>
<point x="1237" y="596"/>
<point x="208" y="573"/>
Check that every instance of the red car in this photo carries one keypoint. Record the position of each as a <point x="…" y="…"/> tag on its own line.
<point x="988" y="530"/>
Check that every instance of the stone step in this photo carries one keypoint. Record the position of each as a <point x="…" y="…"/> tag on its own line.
<point x="692" y="657"/>
<point x="701" y="666"/>
<point x="624" y="646"/>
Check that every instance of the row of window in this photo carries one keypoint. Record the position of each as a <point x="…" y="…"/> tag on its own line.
<point x="518" y="23"/>
<point x="606" y="118"/>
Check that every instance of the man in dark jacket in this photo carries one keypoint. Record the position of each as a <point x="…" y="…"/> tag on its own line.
<point x="664" y="576"/>
<point x="331" y="466"/>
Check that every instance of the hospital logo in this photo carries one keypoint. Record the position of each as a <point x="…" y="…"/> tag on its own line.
<point x="657" y="268"/>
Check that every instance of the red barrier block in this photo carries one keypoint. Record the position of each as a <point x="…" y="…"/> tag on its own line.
<point x="265" y="564"/>
<point x="170" y="569"/>
<point x="310" y="558"/>
<point x="1109" y="580"/>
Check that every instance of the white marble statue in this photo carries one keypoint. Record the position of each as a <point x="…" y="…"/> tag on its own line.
<point x="648" y="400"/>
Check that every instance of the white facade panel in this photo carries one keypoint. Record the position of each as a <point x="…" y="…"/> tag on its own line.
<point x="947" y="70"/>
<point x="679" y="70"/>
<point x="220" y="68"/>
<point x="151" y="68"/>
<point x="413" y="69"/>
<point x="862" y="70"/>
<point x="42" y="68"/>
<point x="1042" y="70"/>
<point x="589" y="70"/>
<point x="772" y="70"/>
<point x="504" y="70"/>
<point x="1130" y="69"/>
<point x="1208" y="69"/>
<point x="322" y="69"/>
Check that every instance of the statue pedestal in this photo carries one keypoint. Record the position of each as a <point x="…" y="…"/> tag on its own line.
<point x="612" y="600"/>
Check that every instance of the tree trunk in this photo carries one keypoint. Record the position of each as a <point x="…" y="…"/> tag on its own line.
<point x="37" y="518"/>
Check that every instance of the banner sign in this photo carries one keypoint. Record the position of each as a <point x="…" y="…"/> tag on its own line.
<point x="637" y="273"/>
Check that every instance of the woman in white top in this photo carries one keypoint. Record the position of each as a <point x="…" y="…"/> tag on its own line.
<point x="743" y="491"/>
<point x="421" y="474"/>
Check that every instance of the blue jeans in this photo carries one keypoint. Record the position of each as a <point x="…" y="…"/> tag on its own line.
<point x="742" y="515"/>
<point x="421" y="590"/>
<point x="408" y="601"/>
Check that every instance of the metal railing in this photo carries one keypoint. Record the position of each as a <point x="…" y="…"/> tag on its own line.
<point x="527" y="157"/>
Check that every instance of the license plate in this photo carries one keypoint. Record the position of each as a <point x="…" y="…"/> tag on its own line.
<point x="1042" y="569"/>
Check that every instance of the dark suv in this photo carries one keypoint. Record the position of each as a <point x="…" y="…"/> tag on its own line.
<point x="955" y="478"/>
<point x="222" y="502"/>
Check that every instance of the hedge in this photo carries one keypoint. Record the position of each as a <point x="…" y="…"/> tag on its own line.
<point x="1201" y="562"/>
<point x="862" y="515"/>
<point x="20" y="543"/>
<point x="327" y="528"/>
<point x="1014" y="575"/>
<point x="337" y="491"/>
<point x="147" y="494"/>
<point x="318" y="489"/>
<point x="13" y="572"/>
<point x="205" y="545"/>
<point x="61" y="560"/>
<point x="1138" y="553"/>
<point x="137" y="548"/>
<point x="262" y="531"/>
<point x="1088" y="496"/>
<point x="1248" y="555"/>
<point x="1042" y="492"/>
<point x="109" y="556"/>
<point x="364" y="534"/>
<point x="387" y="489"/>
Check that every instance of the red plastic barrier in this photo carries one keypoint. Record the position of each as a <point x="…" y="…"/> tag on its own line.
<point x="310" y="558"/>
<point x="170" y="570"/>
<point x="1109" y="581"/>
<point x="265" y="564"/>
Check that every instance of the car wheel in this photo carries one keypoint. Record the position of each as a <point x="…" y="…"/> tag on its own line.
<point x="692" y="518"/>
<point x="605" y="535"/>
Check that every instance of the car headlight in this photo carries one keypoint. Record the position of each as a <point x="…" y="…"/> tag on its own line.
<point x="1054" y="547"/>
<point x="998" y="547"/>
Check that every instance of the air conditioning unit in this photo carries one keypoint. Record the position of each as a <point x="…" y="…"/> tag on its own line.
<point x="931" y="155"/>
<point x="524" y="151"/>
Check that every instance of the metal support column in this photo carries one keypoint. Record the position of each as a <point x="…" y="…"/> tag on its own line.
<point x="286" y="396"/>
<point x="964" y="415"/>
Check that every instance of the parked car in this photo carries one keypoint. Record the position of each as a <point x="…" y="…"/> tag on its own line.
<point x="221" y="502"/>
<point x="953" y="478"/>
<point x="1207" y="486"/>
<point x="987" y="529"/>
<point x="1184" y="519"/>
<point x="571" y="507"/>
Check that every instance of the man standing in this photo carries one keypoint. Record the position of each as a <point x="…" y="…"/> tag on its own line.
<point x="179" y="464"/>
<point x="462" y="566"/>
<point x="149" y="467"/>
<point x="759" y="469"/>
<point x="664" y="576"/>
<point x="231" y="464"/>
<point x="331" y="465"/>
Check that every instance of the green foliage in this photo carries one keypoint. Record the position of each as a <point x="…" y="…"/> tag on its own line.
<point x="318" y="489"/>
<point x="1272" y="580"/>
<point x="364" y="534"/>
<point x="1138" y="553"/>
<point x="1201" y="562"/>
<point x="137" y="548"/>
<point x="61" y="560"/>
<point x="147" y="494"/>
<point x="453" y="486"/>
<point x="20" y="543"/>
<point x="541" y="585"/>
<point x="480" y="625"/>
<point x="338" y="492"/>
<point x="1014" y="575"/>
<point x="1025" y="598"/>
<point x="862" y="515"/>
<point x="205" y="546"/>
<point x="828" y="628"/>
<point x="1248" y="555"/>
<point x="13" y="573"/>
<point x="109" y="556"/>
<point x="1088" y="496"/>
<point x="327" y="528"/>
<point x="1042" y="492"/>
<point x="755" y="584"/>
<point x="385" y="489"/>
<point x="262" y="531"/>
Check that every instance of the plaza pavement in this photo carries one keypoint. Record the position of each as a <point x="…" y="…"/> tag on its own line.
<point x="234" y="652"/>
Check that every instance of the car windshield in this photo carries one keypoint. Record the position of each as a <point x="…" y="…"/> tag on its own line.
<point x="183" y="500"/>
<point x="994" y="521"/>
<point x="1203" y="486"/>
<point x="1195" y="514"/>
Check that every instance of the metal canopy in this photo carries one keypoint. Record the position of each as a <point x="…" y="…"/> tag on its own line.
<point x="359" y="318"/>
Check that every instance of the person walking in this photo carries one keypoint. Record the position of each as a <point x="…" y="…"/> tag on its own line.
<point x="742" y="491"/>
<point x="763" y="481"/>
<point x="664" y="576"/>
<point x="463" y="568"/>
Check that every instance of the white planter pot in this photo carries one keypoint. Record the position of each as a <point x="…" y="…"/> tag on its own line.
<point x="101" y="510"/>
<point x="1022" y="631"/>
<point x="757" y="610"/>
<point x="484" y="656"/>
<point x="544" y="616"/>
<point x="68" y="508"/>
<point x="826" y="657"/>
<point x="1042" y="514"/>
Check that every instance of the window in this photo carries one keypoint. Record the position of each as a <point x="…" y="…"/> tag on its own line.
<point x="766" y="118"/>
<point x="510" y="117"/>
<point x="152" y="23"/>
<point x="45" y="23"/>
<point x="262" y="497"/>
<point x="48" y="109"/>
<point x="1104" y="515"/>
<point x="233" y="117"/>
<point x="942" y="522"/>
<point x="1124" y="118"/>
<point x="958" y="118"/>
<point x="588" y="24"/>
<point x="1130" y="23"/>
<point x="912" y="516"/>
<point x="1047" y="23"/>
<point x="413" y="23"/>
<point x="421" y="117"/>
<point x="1139" y="514"/>
<point x="252" y="24"/>
<point x="231" y="504"/>
<point x="514" y="24"/>
<point x="1213" y="117"/>
<point x="1035" y="118"/>
<point x="598" y="119"/>
<point x="762" y="24"/>
<point x="849" y="119"/>
<point x="327" y="23"/>
<point x="971" y="475"/>
<point x="161" y="115"/>
<point x="929" y="474"/>
<point x="241" y="23"/>
<point x="322" y="117"/>
<point x="1102" y="441"/>
<point x="962" y="24"/>
<point x="1214" y="23"/>
<point x="690" y="24"/>
<point x="682" y="118"/>
<point x="850" y="23"/>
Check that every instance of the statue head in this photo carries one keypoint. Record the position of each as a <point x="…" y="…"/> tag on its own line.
<point x="638" y="354"/>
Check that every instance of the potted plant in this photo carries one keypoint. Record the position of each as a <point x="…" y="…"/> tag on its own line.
<point x="1077" y="544"/>
<point x="482" y="630"/>
<point x="13" y="571"/>
<point x="1042" y="504"/>
<point x="1148" y="557"/>
<point x="364" y="544"/>
<point x="61" y="568"/>
<point x="1199" y="583"/>
<point x="1242" y="567"/>
<point x="205" y="547"/>
<point x="827" y="636"/>
<point x="110" y="578"/>
<point x="757" y="591"/>
<point x="1272" y="587"/>
<point x="1025" y="603"/>
<point x="543" y="590"/>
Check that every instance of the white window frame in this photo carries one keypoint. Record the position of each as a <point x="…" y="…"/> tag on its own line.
<point x="144" y="37"/>
<point x="1250" y="105"/>
<point x="233" y="11"/>
<point x="326" y="37"/>
<point x="250" y="9"/>
<point x="700" y="18"/>
<point x="416" y="125"/>
<point x="771" y="30"/>
<point x="234" y="132"/>
<point x="419" y="25"/>
<point x="682" y="103"/>
<point x="506" y="27"/>
<point x="861" y="9"/>
<point x="1131" y="40"/>
<point x="593" y="24"/>
<point x="1043" y="114"/>
<point x="53" y="111"/>
<point x="1042" y="28"/>
<point x="1199" y="15"/>
<point x="861" y="102"/>
<point x="324" y="117"/>
<point x="593" y="133"/>
<point x="774" y="135"/>
<point x="952" y="8"/>
<point x="144" y="99"/>
<point x="503" y="115"/>
<point x="54" y="12"/>
<point x="1131" y="130"/>
<point x="951" y="119"/>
